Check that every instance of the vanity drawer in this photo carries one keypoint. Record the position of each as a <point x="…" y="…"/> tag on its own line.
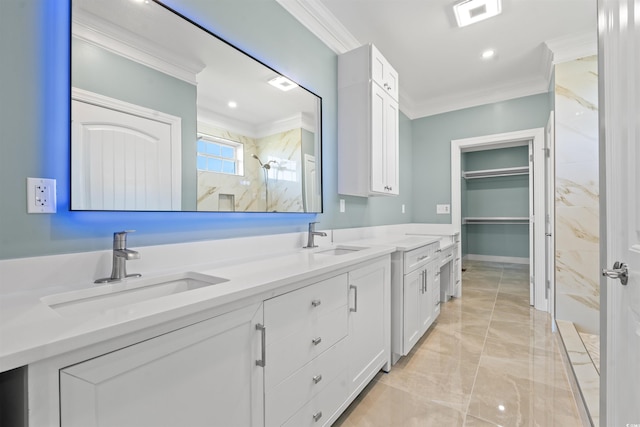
<point x="320" y="410"/>
<point x="447" y="255"/>
<point x="292" y="312"/>
<point x="287" y="354"/>
<point x="420" y="256"/>
<point x="303" y="385"/>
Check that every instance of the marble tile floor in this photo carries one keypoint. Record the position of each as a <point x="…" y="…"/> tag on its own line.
<point x="489" y="360"/>
<point x="592" y="344"/>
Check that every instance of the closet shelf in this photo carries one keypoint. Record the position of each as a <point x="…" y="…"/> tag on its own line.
<point x="496" y="220"/>
<point x="490" y="173"/>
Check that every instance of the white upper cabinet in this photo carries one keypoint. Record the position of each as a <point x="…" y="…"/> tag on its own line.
<point x="368" y="132"/>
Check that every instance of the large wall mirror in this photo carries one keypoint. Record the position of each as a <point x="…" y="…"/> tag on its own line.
<point x="168" y="117"/>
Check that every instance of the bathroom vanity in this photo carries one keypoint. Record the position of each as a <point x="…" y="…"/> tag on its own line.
<point x="285" y="340"/>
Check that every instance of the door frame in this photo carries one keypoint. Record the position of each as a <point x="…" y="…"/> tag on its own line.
<point x="505" y="140"/>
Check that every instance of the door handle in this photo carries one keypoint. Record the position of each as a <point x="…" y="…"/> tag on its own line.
<point x="620" y="271"/>
<point x="262" y="362"/>
<point x="355" y="299"/>
<point x="547" y="234"/>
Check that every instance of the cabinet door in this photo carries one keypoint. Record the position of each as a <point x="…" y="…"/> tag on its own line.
<point x="425" y="295"/>
<point x="413" y="283"/>
<point x="435" y="292"/>
<point x="201" y="375"/>
<point x="369" y="323"/>
<point x="384" y="142"/>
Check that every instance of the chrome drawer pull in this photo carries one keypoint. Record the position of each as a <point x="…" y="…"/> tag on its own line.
<point x="420" y="258"/>
<point x="317" y="416"/>
<point x="263" y="361"/>
<point x="317" y="379"/>
<point x="355" y="298"/>
<point x="316" y="341"/>
<point x="316" y="302"/>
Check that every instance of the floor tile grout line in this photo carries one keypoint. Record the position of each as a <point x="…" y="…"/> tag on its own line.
<point x="484" y="344"/>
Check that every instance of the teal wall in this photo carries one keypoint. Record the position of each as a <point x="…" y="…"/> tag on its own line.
<point x="34" y="132"/>
<point x="432" y="145"/>
<point x="499" y="196"/>
<point x="95" y="69"/>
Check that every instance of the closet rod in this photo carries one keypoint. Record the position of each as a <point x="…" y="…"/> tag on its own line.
<point x="490" y="173"/>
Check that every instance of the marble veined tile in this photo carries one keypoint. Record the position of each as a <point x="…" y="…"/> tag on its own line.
<point x="592" y="344"/>
<point x="381" y="405"/>
<point x="577" y="228"/>
<point x="512" y="401"/>
<point x="577" y="272"/>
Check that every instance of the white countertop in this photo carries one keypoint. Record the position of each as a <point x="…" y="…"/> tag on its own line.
<point x="30" y="330"/>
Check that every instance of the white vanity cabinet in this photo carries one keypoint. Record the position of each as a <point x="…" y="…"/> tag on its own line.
<point x="325" y="342"/>
<point x="369" y="340"/>
<point x="415" y="296"/>
<point x="306" y="332"/>
<point x="203" y="374"/>
<point x="368" y="129"/>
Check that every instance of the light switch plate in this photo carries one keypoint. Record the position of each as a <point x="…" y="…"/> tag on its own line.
<point x="342" y="209"/>
<point x="443" y="209"/>
<point x="41" y="195"/>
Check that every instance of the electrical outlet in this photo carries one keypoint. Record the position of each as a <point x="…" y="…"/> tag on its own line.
<point x="403" y="208"/>
<point x="342" y="207"/>
<point x="41" y="195"/>
<point x="443" y="209"/>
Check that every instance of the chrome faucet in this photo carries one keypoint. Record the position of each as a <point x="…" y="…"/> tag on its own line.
<point x="120" y="257"/>
<point x="312" y="234"/>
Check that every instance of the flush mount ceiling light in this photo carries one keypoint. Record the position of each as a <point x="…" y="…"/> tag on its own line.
<point x="232" y="104"/>
<point x="471" y="11"/>
<point x="282" y="83"/>
<point x="488" y="54"/>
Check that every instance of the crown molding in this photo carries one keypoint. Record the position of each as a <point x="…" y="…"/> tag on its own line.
<point x="574" y="46"/>
<point x="96" y="31"/>
<point x="322" y="23"/>
<point x="459" y="101"/>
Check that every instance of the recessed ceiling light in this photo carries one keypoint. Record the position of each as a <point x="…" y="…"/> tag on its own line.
<point x="282" y="83"/>
<point x="232" y="104"/>
<point x="471" y="11"/>
<point x="488" y="54"/>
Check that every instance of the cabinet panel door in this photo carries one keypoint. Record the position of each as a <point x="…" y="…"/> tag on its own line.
<point x="411" y="296"/>
<point x="425" y="295"/>
<point x="392" y="147"/>
<point x="201" y="375"/>
<point x="378" y="136"/>
<point x="369" y="323"/>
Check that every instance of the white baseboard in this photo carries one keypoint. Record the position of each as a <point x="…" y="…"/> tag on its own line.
<point x="491" y="258"/>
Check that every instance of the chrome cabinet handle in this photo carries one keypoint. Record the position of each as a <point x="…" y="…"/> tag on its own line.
<point x="262" y="362"/>
<point x="317" y="416"/>
<point x="420" y="258"/>
<point x="316" y="341"/>
<point x="317" y="379"/>
<point x="620" y="271"/>
<point x="438" y="250"/>
<point x="355" y="298"/>
<point x="437" y="303"/>
<point x="316" y="302"/>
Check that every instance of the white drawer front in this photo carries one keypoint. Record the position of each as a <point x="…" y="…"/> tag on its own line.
<point x="418" y="257"/>
<point x="286" y="355"/>
<point x="447" y="255"/>
<point x="318" y="411"/>
<point x="292" y="312"/>
<point x="303" y="385"/>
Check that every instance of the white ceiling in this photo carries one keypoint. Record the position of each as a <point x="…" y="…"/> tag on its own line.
<point x="439" y="64"/>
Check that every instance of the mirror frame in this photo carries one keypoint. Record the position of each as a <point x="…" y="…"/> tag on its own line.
<point x="319" y="121"/>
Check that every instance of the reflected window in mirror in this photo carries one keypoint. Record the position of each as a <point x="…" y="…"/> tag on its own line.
<point x="219" y="155"/>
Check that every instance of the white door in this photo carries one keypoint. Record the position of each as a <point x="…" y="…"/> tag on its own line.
<point x="378" y="136"/>
<point x="122" y="161"/>
<point x="311" y="190"/>
<point x="201" y="375"/>
<point x="549" y="188"/>
<point x="619" y="51"/>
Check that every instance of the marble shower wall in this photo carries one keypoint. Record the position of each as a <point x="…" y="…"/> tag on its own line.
<point x="248" y="190"/>
<point x="577" y="195"/>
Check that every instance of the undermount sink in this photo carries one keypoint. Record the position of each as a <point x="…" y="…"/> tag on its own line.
<point x="340" y="250"/>
<point x="99" y="299"/>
